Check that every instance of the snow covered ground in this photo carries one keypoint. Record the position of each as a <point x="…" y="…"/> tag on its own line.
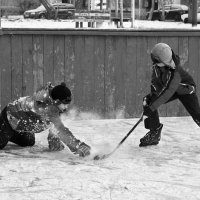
<point x="170" y="170"/>
<point x="20" y="22"/>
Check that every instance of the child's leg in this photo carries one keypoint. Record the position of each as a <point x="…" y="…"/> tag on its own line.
<point x="5" y="135"/>
<point x="154" y="135"/>
<point x="153" y="121"/>
<point x="191" y="103"/>
<point x="23" y="139"/>
<point x="6" y="132"/>
<point x="153" y="124"/>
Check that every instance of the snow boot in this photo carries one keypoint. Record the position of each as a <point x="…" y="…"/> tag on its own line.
<point x="152" y="137"/>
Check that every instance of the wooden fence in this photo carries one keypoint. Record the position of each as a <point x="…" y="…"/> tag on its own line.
<point x="108" y="71"/>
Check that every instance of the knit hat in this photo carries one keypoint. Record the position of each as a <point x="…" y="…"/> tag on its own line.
<point x="161" y="54"/>
<point x="62" y="93"/>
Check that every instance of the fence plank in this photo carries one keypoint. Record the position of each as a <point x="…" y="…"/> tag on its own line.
<point x="70" y="64"/>
<point x="17" y="73"/>
<point x="38" y="61"/>
<point x="193" y="60"/>
<point x="198" y="73"/>
<point x="6" y="87"/>
<point x="142" y="73"/>
<point x="120" y="76"/>
<point x="110" y="63"/>
<point x="183" y="54"/>
<point x="27" y="55"/>
<point x="78" y="65"/>
<point x="48" y="59"/>
<point x="88" y="74"/>
<point x="59" y="59"/>
<point x="99" y="76"/>
<point x="131" y="78"/>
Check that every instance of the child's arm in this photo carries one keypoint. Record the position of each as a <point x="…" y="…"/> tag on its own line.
<point x="168" y="90"/>
<point x="66" y="136"/>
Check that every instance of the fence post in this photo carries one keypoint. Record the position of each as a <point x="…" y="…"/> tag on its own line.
<point x="0" y="17"/>
<point x="194" y="12"/>
<point x="132" y="12"/>
<point x="121" y="14"/>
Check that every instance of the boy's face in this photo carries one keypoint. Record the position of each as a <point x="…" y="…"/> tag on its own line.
<point x="63" y="107"/>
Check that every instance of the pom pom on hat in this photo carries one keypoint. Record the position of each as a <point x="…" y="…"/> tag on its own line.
<point x="162" y="55"/>
<point x="62" y="93"/>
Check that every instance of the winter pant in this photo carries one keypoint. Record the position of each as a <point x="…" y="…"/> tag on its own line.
<point x="189" y="101"/>
<point x="8" y="134"/>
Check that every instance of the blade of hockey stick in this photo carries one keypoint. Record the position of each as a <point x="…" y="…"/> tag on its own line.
<point x="109" y="154"/>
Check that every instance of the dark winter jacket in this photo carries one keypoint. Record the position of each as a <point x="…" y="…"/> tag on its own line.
<point x="167" y="81"/>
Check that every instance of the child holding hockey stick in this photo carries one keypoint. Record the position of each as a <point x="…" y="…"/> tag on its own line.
<point x="21" y="119"/>
<point x="169" y="82"/>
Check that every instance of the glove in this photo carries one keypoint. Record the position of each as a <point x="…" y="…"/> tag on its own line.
<point x="147" y="111"/>
<point x="55" y="144"/>
<point x="80" y="148"/>
<point x="83" y="150"/>
<point x="144" y="103"/>
<point x="147" y="100"/>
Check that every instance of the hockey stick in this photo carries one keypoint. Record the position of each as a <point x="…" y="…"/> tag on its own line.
<point x="109" y="154"/>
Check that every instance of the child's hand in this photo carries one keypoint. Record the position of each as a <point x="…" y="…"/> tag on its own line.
<point x="83" y="150"/>
<point x="144" y="101"/>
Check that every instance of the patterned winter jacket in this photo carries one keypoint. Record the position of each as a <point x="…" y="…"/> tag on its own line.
<point x="167" y="81"/>
<point x="35" y="114"/>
